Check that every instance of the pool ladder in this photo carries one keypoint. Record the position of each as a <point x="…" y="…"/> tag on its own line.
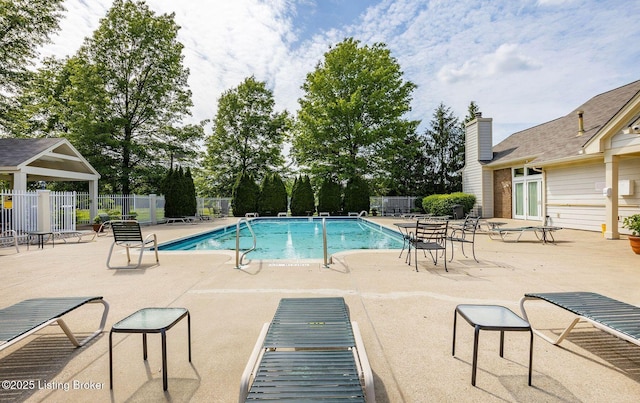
<point x="239" y="256"/>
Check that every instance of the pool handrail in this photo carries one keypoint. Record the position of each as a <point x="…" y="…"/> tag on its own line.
<point x="324" y="242"/>
<point x="253" y="234"/>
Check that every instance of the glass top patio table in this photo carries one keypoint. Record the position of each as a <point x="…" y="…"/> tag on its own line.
<point x="493" y="317"/>
<point x="150" y="320"/>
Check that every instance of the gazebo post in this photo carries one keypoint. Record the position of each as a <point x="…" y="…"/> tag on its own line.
<point x="93" y="198"/>
<point x="44" y="211"/>
<point x="20" y="181"/>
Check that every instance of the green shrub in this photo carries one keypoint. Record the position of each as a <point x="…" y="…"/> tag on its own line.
<point x="441" y="205"/>
<point x="245" y="196"/>
<point x="114" y="214"/>
<point x="330" y="197"/>
<point x="302" y="201"/>
<point x="356" y="195"/>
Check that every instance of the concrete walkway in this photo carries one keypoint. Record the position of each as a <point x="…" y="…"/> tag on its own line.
<point x="405" y="317"/>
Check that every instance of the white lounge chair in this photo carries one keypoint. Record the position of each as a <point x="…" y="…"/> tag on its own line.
<point x="9" y="237"/>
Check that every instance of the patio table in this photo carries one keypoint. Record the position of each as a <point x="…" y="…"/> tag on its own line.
<point x="40" y="236"/>
<point x="150" y="320"/>
<point x="491" y="317"/>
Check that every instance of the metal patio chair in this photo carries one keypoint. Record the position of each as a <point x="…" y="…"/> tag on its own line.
<point x="127" y="233"/>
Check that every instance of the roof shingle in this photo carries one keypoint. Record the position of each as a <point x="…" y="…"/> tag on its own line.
<point x="14" y="152"/>
<point x="559" y="138"/>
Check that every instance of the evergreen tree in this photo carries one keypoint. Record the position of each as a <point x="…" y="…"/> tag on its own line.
<point x="471" y="112"/>
<point x="330" y="197"/>
<point x="445" y="151"/>
<point x="167" y="191"/>
<point x="280" y="194"/>
<point x="356" y="195"/>
<point x="273" y="196"/>
<point x="265" y="205"/>
<point x="245" y="196"/>
<point x="302" y="201"/>
<point x="191" y="204"/>
<point x="180" y="191"/>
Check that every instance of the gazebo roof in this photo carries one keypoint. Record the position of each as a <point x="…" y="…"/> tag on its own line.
<point x="46" y="159"/>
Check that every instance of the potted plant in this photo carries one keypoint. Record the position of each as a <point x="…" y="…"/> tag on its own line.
<point x="97" y="223"/>
<point x="632" y="223"/>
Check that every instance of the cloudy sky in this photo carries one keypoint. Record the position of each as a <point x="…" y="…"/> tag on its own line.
<point x="524" y="62"/>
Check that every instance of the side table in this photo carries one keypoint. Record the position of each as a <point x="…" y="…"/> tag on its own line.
<point x="150" y="320"/>
<point x="491" y="317"/>
<point x="40" y="235"/>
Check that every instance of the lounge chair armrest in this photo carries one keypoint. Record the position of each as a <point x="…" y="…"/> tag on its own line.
<point x="151" y="238"/>
<point x="363" y="361"/>
<point x="103" y="321"/>
<point x="254" y="359"/>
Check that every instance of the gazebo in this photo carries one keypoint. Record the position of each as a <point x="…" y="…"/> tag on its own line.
<point x="45" y="159"/>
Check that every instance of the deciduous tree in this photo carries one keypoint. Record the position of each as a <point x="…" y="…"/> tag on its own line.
<point x="138" y="60"/>
<point x="247" y="136"/>
<point x="24" y="26"/>
<point x="351" y="111"/>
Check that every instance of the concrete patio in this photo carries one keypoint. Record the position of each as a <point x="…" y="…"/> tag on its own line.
<point x="405" y="317"/>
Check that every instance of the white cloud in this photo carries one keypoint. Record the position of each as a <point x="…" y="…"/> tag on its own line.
<point x="554" y="2"/>
<point x="505" y="60"/>
<point x="524" y="63"/>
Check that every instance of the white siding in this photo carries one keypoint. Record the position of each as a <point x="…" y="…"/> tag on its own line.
<point x="471" y="145"/>
<point x="624" y="140"/>
<point x="629" y="169"/>
<point x="485" y="139"/>
<point x="574" y="196"/>
<point x="473" y="178"/>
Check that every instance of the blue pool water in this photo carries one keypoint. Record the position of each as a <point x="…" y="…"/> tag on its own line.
<point x="294" y="238"/>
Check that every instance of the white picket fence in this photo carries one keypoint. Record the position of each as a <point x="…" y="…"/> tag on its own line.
<point x="19" y="210"/>
<point x="393" y="205"/>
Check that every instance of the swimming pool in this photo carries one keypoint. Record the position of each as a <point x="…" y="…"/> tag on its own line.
<point x="293" y="238"/>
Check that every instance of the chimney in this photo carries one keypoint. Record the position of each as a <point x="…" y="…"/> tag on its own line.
<point x="580" y="123"/>
<point x="479" y="139"/>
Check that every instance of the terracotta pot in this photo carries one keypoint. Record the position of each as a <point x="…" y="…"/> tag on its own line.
<point x="96" y="227"/>
<point x="635" y="243"/>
